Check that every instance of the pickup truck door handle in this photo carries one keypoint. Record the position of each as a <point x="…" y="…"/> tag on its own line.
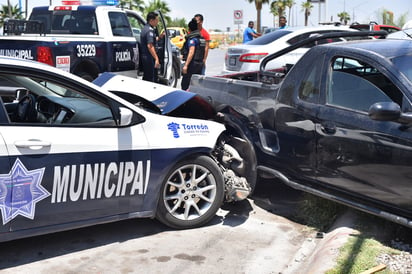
<point x="328" y="127"/>
<point x="32" y="144"/>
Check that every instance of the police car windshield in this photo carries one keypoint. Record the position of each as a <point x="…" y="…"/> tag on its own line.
<point x="269" y="38"/>
<point x="403" y="63"/>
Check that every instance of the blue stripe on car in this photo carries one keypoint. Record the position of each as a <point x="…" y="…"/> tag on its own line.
<point x="103" y="78"/>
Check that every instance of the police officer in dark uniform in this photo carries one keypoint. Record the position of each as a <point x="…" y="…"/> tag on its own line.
<point x="193" y="54"/>
<point x="148" y="40"/>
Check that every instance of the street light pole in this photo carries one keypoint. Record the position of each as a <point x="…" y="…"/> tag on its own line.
<point x="353" y="10"/>
<point x="319" y="11"/>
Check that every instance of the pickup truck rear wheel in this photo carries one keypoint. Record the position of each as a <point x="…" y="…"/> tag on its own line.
<point x="191" y="193"/>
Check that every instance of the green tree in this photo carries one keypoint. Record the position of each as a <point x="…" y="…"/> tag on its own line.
<point x="258" y="5"/>
<point x="12" y="12"/>
<point x="289" y="4"/>
<point x="133" y="5"/>
<point x="402" y="20"/>
<point x="178" y="22"/>
<point x="278" y="7"/>
<point x="307" y="8"/>
<point x="391" y="20"/>
<point x="344" y="17"/>
<point x="155" y="5"/>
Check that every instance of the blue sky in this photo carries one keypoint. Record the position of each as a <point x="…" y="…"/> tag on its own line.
<point x="219" y="14"/>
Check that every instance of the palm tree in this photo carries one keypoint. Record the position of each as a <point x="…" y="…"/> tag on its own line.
<point x="158" y="5"/>
<point x="344" y="17"/>
<point x="258" y="5"/>
<point x="278" y="7"/>
<point x="307" y="8"/>
<point x="12" y="12"/>
<point x="289" y="4"/>
<point x="133" y="5"/>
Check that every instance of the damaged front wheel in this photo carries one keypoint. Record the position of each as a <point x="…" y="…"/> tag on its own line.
<point x="191" y="194"/>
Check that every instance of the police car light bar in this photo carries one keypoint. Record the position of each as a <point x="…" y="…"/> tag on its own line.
<point x="70" y="3"/>
<point x="90" y="2"/>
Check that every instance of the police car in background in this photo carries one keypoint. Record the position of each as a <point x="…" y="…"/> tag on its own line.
<point x="74" y="154"/>
<point x="87" y="40"/>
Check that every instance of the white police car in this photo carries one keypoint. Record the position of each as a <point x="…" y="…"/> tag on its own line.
<point x="74" y="154"/>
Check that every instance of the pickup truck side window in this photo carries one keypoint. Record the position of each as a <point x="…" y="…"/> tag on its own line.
<point x="309" y="87"/>
<point x="357" y="85"/>
<point x="403" y="63"/>
<point x="120" y="24"/>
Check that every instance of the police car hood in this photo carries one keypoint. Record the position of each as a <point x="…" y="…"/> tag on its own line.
<point x="167" y="99"/>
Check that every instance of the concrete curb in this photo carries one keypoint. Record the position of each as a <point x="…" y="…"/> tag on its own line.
<point x="326" y="251"/>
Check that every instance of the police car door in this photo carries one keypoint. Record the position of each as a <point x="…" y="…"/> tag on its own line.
<point x="163" y="49"/>
<point x="123" y="47"/>
<point x="69" y="163"/>
<point x="4" y="167"/>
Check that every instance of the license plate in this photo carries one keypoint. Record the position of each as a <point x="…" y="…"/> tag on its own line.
<point x="232" y="61"/>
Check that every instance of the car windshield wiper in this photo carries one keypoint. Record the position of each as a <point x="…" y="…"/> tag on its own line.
<point x="407" y="34"/>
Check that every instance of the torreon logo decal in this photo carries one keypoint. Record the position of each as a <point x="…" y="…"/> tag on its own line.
<point x="174" y="127"/>
<point x="20" y="190"/>
<point x="193" y="129"/>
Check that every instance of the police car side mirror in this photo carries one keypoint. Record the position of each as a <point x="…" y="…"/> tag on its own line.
<point x="126" y="116"/>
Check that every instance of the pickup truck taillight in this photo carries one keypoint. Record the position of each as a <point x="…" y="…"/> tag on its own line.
<point x="44" y="55"/>
<point x="252" y="57"/>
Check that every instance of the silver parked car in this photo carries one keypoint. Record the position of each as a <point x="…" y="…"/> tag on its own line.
<point x="247" y="57"/>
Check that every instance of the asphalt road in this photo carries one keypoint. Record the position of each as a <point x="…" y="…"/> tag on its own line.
<point x="214" y="63"/>
<point x="257" y="235"/>
<point x="215" y="60"/>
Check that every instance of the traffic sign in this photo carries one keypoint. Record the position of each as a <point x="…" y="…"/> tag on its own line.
<point x="238" y="16"/>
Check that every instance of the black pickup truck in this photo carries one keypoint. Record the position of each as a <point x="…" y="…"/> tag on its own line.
<point x="337" y="124"/>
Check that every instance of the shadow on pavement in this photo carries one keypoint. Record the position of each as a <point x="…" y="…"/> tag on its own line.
<point x="43" y="247"/>
<point x="238" y="213"/>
